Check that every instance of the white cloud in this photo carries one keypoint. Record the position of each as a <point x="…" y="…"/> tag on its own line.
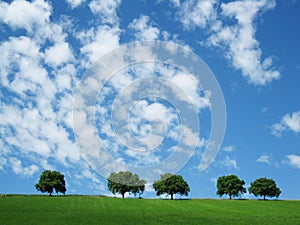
<point x="289" y="122"/>
<point x="65" y="79"/>
<point x="140" y="124"/>
<point x="75" y="3"/>
<point x="107" y="10"/>
<point x="239" y="41"/>
<point x="196" y="13"/>
<point x="191" y="88"/>
<point x="153" y="111"/>
<point x="36" y="108"/>
<point x="264" y="158"/>
<point x="17" y="167"/>
<point x="25" y="14"/>
<point x="147" y="124"/>
<point x="292" y="121"/>
<point x="175" y="3"/>
<point x="3" y="162"/>
<point x="38" y="135"/>
<point x="21" y="70"/>
<point x="144" y="29"/>
<point x="92" y="176"/>
<point x="228" y="163"/>
<point x="97" y="42"/>
<point x="149" y="187"/>
<point x="54" y="32"/>
<point x="229" y="148"/>
<point x="143" y="158"/>
<point x="189" y="138"/>
<point x="83" y="175"/>
<point x="33" y="124"/>
<point x="233" y="30"/>
<point x="214" y="180"/>
<point x="16" y="51"/>
<point x="58" y="54"/>
<point x="293" y="161"/>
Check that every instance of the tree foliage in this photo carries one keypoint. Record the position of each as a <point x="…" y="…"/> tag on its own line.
<point x="123" y="182"/>
<point x="230" y="185"/>
<point x="264" y="187"/>
<point x="171" y="184"/>
<point x="50" y="181"/>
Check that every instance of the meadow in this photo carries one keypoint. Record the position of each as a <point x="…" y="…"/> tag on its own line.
<point x="37" y="209"/>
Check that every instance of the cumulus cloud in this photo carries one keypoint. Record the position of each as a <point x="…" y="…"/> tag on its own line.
<point x="18" y="168"/>
<point x="175" y="3"/>
<point x="15" y="53"/>
<point x="142" y="158"/>
<point x="36" y="132"/>
<point x="58" y="54"/>
<point x="289" y="122"/>
<point x="214" y="180"/>
<point x="3" y="162"/>
<point x="228" y="163"/>
<point x="107" y="10"/>
<point x="36" y="106"/>
<point x="144" y="29"/>
<point x="194" y="14"/>
<point x="38" y="74"/>
<point x="239" y="42"/>
<point x="191" y="88"/>
<point x="232" y="28"/>
<point x="25" y="14"/>
<point x="99" y="41"/>
<point x="228" y="148"/>
<point x="293" y="160"/>
<point x="75" y="3"/>
<point x="133" y="127"/>
<point x="148" y="123"/>
<point x="264" y="158"/>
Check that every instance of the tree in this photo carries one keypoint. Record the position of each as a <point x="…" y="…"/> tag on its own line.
<point x="264" y="187"/>
<point x="123" y="182"/>
<point x="51" y="180"/>
<point x="139" y="188"/>
<point x="171" y="184"/>
<point x="230" y="185"/>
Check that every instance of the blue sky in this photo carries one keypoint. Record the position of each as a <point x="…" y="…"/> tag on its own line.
<point x="47" y="48"/>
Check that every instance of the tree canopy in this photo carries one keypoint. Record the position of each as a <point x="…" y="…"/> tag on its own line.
<point x="264" y="187"/>
<point x="171" y="184"/>
<point x="230" y="185"/>
<point x="51" y="180"/>
<point x="123" y="182"/>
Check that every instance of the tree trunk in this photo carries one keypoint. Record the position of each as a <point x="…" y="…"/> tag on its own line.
<point x="123" y="195"/>
<point x="171" y="196"/>
<point x="230" y="196"/>
<point x="264" y="197"/>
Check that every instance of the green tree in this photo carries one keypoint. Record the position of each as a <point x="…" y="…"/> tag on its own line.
<point x="50" y="181"/>
<point x="171" y="184"/>
<point x="139" y="188"/>
<point x="123" y="182"/>
<point x="264" y="187"/>
<point x="230" y="185"/>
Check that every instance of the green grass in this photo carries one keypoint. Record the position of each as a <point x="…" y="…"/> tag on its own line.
<point x="73" y="210"/>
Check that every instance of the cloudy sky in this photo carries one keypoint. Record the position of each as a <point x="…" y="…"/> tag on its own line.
<point x="58" y="111"/>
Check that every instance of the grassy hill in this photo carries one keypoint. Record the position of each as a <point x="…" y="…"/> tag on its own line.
<point x="73" y="210"/>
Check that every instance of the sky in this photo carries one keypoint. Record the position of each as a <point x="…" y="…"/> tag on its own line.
<point x="201" y="88"/>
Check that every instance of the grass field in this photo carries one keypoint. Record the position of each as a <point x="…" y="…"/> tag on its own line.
<point x="72" y="210"/>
